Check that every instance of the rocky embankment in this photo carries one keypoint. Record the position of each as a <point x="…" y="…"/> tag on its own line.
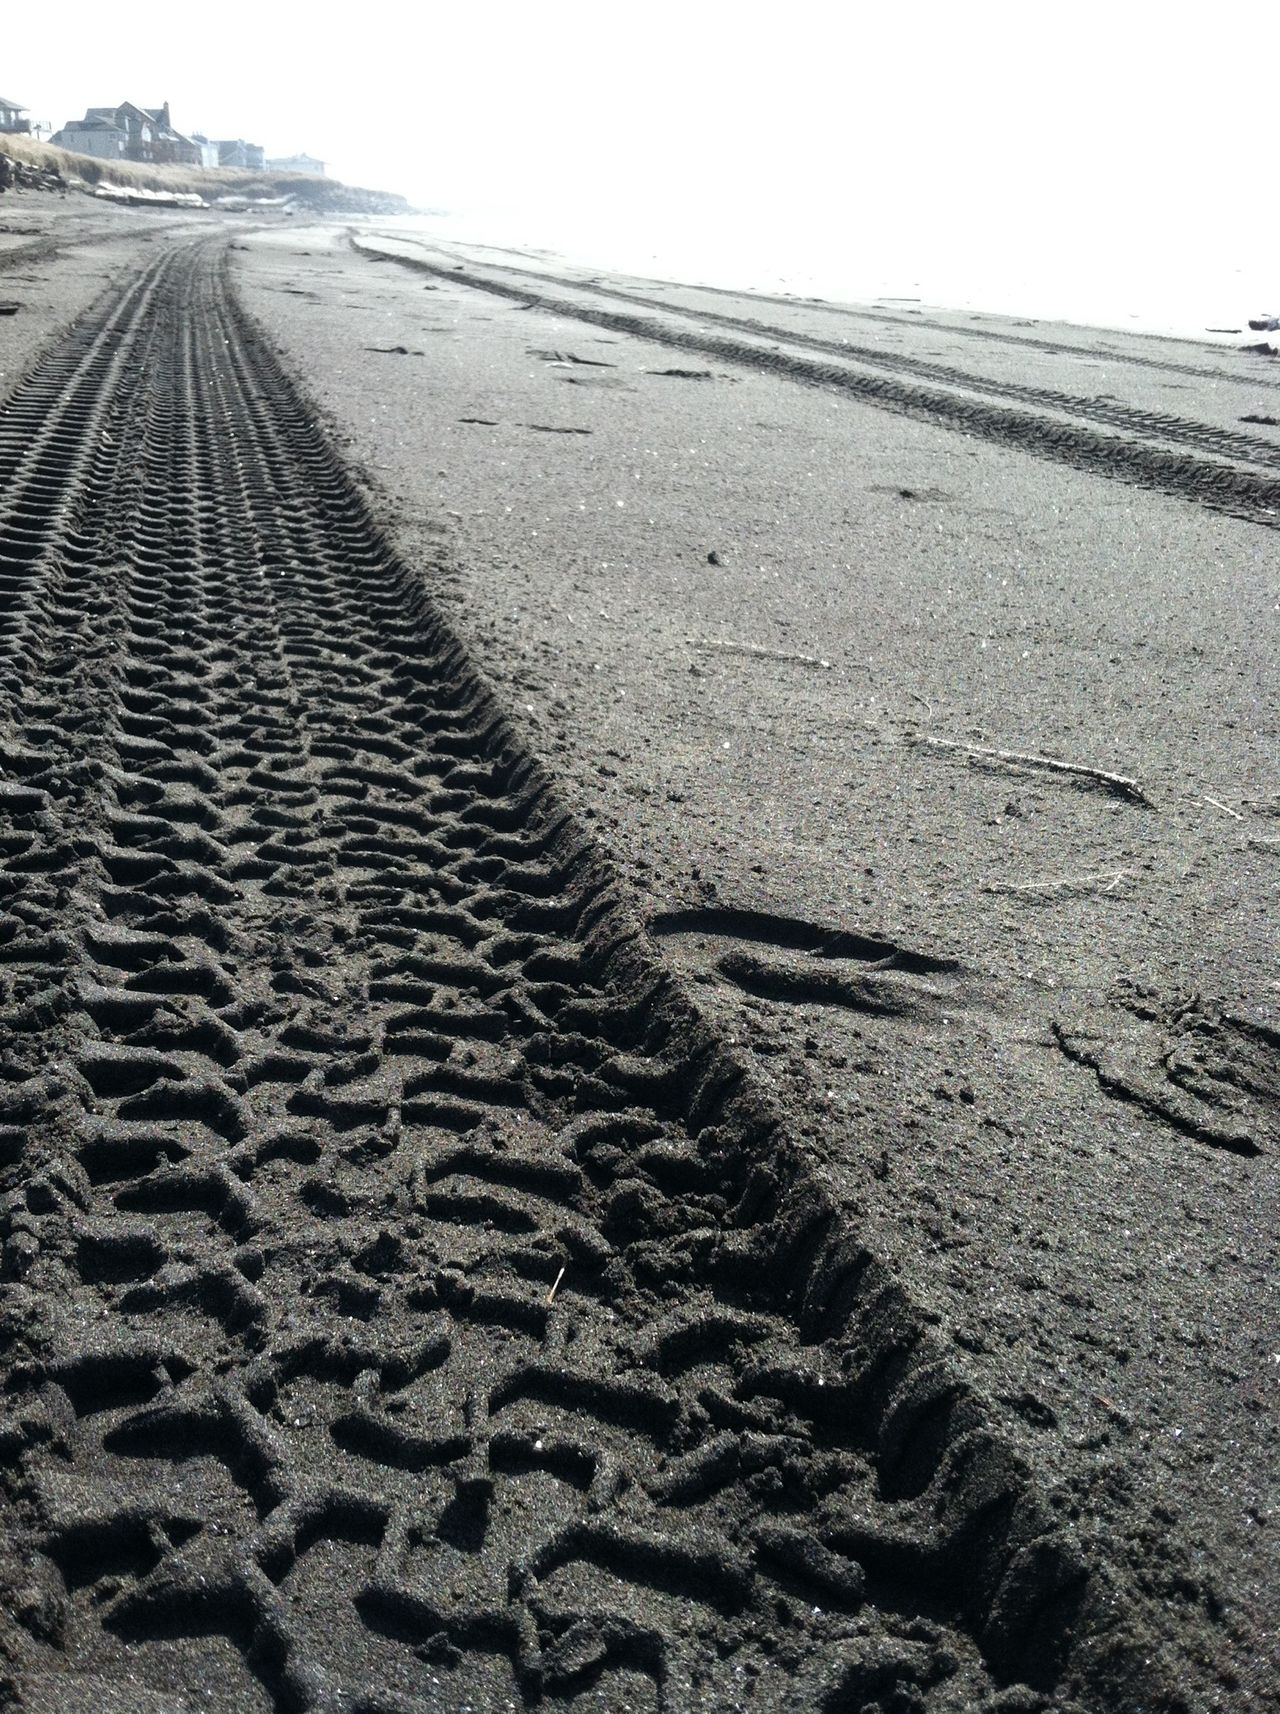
<point x="19" y="175"/>
<point x="326" y="196"/>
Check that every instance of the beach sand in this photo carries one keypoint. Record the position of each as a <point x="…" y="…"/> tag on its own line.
<point x="1039" y="1124"/>
<point x="915" y="671"/>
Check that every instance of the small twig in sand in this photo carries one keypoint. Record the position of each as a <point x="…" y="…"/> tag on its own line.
<point x="1088" y="883"/>
<point x="726" y="647"/>
<point x="551" y="1295"/>
<point x="1224" y="807"/>
<point x="1121" y="784"/>
<point x="924" y="703"/>
<point x="564" y="358"/>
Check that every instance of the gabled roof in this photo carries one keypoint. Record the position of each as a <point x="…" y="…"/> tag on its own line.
<point x="14" y="106"/>
<point x="94" y="124"/>
<point x="120" y="107"/>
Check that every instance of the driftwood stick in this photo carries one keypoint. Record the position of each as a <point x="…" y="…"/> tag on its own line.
<point x="1224" y="807"/>
<point x="1121" y="785"/>
<point x="1112" y="877"/>
<point x="726" y="646"/>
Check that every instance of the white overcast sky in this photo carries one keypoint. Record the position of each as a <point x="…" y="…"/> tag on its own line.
<point x="1116" y="121"/>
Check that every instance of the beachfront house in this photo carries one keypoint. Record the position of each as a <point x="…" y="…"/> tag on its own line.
<point x="129" y="133"/>
<point x="208" y="150"/>
<point x="100" y="137"/>
<point x="297" y="164"/>
<point x="12" y="122"/>
<point x="235" y="152"/>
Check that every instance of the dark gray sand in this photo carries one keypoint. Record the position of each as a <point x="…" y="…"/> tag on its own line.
<point x="915" y="671"/>
<point x="57" y="254"/>
<point x="766" y="634"/>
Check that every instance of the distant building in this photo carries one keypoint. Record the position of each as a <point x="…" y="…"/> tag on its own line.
<point x="148" y="133"/>
<point x="100" y="137"/>
<point x="208" y="150"/>
<point x="235" y="152"/>
<point x="297" y="164"/>
<point x="11" y="120"/>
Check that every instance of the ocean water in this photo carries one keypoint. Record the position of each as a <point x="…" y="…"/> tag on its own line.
<point x="1178" y="278"/>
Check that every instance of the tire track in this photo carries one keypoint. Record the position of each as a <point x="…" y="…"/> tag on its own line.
<point x="995" y="336"/>
<point x="1226" y="487"/>
<point x="1158" y="425"/>
<point x="407" y="1300"/>
<point x="77" y="231"/>
<point x="1113" y="413"/>
<point x="38" y="250"/>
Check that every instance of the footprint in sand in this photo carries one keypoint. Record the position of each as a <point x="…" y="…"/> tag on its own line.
<point x="796" y="962"/>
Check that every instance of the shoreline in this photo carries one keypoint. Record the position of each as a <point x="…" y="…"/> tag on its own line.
<point x="1184" y="321"/>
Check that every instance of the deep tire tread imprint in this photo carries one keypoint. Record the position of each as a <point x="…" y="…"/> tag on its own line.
<point x="408" y="1301"/>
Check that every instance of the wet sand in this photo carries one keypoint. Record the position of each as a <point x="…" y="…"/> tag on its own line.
<point x="56" y="256"/>
<point x="803" y="652"/>
<point x="768" y="635"/>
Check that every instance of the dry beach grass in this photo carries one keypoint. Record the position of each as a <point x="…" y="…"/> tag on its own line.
<point x="191" y="181"/>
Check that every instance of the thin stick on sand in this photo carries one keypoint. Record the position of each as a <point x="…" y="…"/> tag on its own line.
<point x="1224" y="807"/>
<point x="1121" y="785"/>
<point x="1112" y="877"/>
<point x="726" y="646"/>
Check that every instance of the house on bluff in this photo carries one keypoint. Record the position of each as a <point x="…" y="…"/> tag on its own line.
<point x="12" y="122"/>
<point x="129" y="133"/>
<point x="208" y="150"/>
<point x="100" y="137"/>
<point x="235" y="152"/>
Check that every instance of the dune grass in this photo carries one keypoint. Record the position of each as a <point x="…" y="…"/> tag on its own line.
<point x="208" y="182"/>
